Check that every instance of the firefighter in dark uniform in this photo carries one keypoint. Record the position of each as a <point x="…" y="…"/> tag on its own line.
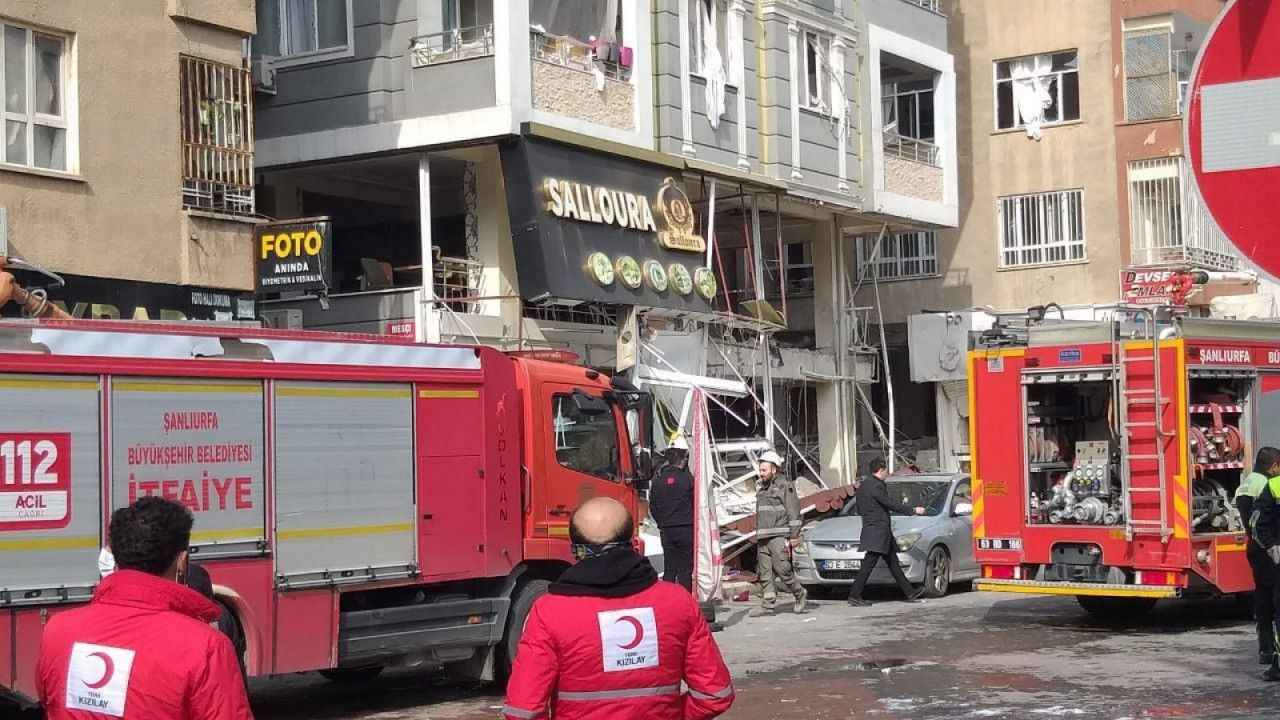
<point x="1266" y="466"/>
<point x="671" y="505"/>
<point x="1266" y="532"/>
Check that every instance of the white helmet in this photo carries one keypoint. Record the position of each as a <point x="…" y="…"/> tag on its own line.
<point x="770" y="456"/>
<point x="679" y="442"/>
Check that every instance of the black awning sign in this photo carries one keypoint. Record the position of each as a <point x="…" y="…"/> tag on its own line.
<point x="294" y="255"/>
<point x="628" y="210"/>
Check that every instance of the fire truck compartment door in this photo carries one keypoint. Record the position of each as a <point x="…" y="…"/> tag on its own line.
<point x="50" y="488"/>
<point x="197" y="442"/>
<point x="344" y="483"/>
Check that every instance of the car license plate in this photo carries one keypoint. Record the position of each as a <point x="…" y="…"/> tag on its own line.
<point x="841" y="564"/>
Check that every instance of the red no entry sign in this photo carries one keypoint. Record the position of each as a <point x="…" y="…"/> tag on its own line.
<point x="1233" y="128"/>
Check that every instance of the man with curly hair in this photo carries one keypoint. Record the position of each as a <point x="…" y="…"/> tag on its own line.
<point x="143" y="648"/>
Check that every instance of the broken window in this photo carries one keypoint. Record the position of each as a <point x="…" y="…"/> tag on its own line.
<point x="1037" y="90"/>
<point x="799" y="268"/>
<point x="817" y="72"/>
<point x="1041" y="228"/>
<point x="908" y="108"/>
<point x="708" y="21"/>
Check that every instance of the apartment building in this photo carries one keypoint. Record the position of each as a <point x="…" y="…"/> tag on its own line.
<point x="572" y="176"/>
<point x="127" y="161"/>
<point x="1071" y="177"/>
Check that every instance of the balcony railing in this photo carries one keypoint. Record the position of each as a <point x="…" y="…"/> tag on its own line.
<point x="930" y="5"/>
<point x="908" y="148"/>
<point x="217" y="137"/>
<point x="452" y="45"/>
<point x="1169" y="222"/>
<point x="572" y="54"/>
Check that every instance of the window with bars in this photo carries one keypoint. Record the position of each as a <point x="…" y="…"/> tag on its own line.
<point x="904" y="256"/>
<point x="1041" y="228"/>
<point x="217" y="137"/>
<point x="1150" y="81"/>
<point x="1168" y="222"/>
<point x="37" y="129"/>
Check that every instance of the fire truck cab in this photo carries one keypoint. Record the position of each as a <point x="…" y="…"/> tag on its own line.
<point x="359" y="501"/>
<point x="1106" y="455"/>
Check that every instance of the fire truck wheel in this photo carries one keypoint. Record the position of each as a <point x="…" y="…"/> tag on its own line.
<point x="937" y="573"/>
<point x="1116" y="609"/>
<point x="352" y="676"/>
<point x="521" y="604"/>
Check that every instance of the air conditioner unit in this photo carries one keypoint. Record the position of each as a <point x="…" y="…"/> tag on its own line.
<point x="264" y="75"/>
<point x="285" y="319"/>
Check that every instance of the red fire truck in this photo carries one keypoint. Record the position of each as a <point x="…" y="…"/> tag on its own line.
<point x="1106" y="455"/>
<point x="360" y="501"/>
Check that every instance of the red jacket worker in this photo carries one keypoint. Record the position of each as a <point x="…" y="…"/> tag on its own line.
<point x="610" y="641"/>
<point x="143" y="648"/>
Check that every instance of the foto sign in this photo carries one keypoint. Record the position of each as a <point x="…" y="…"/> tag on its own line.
<point x="1232" y="127"/>
<point x="294" y="255"/>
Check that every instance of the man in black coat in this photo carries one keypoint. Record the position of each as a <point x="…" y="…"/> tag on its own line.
<point x="878" y="543"/>
<point x="671" y="505"/>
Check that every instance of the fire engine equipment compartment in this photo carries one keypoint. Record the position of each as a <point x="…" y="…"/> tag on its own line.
<point x="1072" y="456"/>
<point x="1218" y="408"/>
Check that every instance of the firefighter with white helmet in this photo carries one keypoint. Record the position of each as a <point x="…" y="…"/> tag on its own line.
<point x="777" y="530"/>
<point x="671" y="505"/>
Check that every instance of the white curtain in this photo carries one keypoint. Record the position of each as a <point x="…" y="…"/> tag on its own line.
<point x="1031" y="91"/>
<point x="708" y="564"/>
<point x="712" y="64"/>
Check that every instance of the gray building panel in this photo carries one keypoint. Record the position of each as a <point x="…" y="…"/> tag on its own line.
<point x="470" y="82"/>
<point x="909" y="19"/>
<point x="351" y="110"/>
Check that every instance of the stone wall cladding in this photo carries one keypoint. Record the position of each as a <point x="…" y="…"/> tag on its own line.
<point x="913" y="179"/>
<point x="572" y="93"/>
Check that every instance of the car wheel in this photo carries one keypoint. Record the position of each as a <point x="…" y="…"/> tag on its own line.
<point x="937" y="573"/>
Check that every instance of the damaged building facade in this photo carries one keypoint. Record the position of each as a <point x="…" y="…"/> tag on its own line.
<point x="1074" y="194"/>
<point x="676" y="186"/>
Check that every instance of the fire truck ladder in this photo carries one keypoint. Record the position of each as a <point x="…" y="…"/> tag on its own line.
<point x="1136" y="398"/>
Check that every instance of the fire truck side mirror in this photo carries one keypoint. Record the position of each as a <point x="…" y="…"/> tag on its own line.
<point x="642" y="460"/>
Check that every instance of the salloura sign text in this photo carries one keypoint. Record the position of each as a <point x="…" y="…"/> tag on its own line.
<point x="571" y="200"/>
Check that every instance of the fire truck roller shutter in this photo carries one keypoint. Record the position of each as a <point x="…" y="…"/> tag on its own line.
<point x="50" y="487"/>
<point x="198" y="442"/>
<point x="344" y="482"/>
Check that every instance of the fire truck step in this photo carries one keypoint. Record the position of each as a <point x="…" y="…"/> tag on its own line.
<point x="1144" y="489"/>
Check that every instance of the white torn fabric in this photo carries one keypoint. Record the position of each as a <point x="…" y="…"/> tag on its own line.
<point x="1031" y="91"/>
<point x="712" y="65"/>
<point x="599" y="76"/>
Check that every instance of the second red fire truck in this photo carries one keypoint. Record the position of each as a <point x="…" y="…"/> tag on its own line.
<point x="1106" y="455"/>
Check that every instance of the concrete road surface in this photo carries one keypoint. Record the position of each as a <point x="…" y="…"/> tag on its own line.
<point x="971" y="655"/>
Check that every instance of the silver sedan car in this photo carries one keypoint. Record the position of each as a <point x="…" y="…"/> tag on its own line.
<point x="936" y="549"/>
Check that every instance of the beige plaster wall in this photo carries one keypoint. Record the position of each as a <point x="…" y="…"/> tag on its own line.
<point x="118" y="213"/>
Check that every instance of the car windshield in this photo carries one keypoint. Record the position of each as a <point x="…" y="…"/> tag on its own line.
<point x="929" y="494"/>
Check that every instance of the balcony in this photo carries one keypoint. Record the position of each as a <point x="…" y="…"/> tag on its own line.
<point x="1168" y="222"/>
<point x="577" y="80"/>
<point x="452" y="45"/>
<point x="911" y="167"/>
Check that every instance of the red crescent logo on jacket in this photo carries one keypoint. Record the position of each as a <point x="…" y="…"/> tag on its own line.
<point x="108" y="669"/>
<point x="639" y="630"/>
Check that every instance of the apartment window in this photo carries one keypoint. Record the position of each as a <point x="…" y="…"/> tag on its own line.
<point x="1037" y="90"/>
<point x="304" y="29"/>
<point x="1151" y="87"/>
<point x="708" y="21"/>
<point x="1041" y="228"/>
<point x="817" y="71"/>
<point x="903" y="256"/>
<point x="799" y="267"/>
<point x="908" y="108"/>
<point x="34" y="86"/>
<point x="217" y="141"/>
